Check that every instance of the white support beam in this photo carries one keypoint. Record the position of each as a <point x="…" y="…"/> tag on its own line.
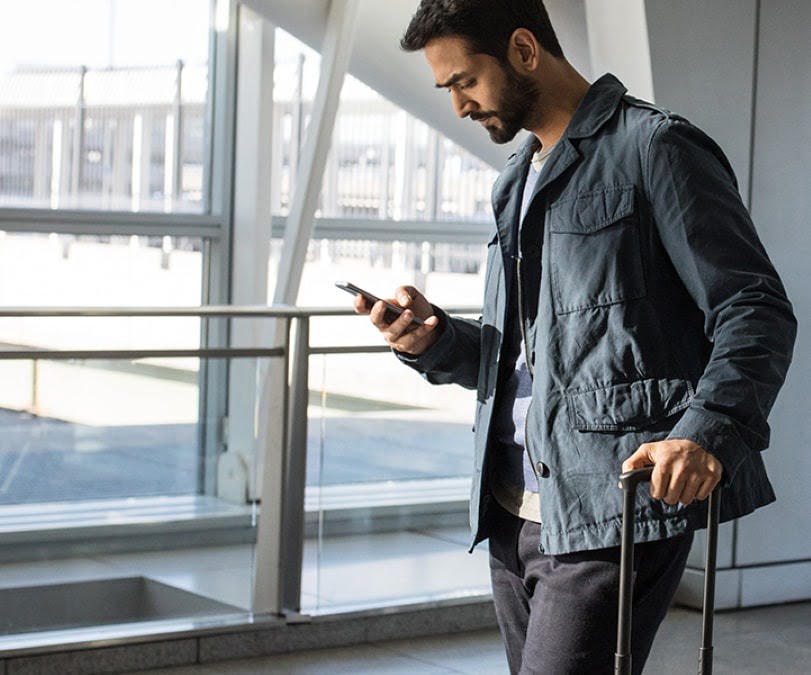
<point x="251" y="235"/>
<point x="335" y="56"/>
<point x="252" y="466"/>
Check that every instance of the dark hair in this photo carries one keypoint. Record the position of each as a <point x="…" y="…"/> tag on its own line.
<point x="486" y="25"/>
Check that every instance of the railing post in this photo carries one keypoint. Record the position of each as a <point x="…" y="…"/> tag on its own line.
<point x="35" y="387"/>
<point x="271" y="454"/>
<point x="296" y="469"/>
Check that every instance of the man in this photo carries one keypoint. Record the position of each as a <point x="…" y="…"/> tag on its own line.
<point x="631" y="317"/>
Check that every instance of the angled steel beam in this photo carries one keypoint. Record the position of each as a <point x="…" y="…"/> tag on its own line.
<point x="335" y="56"/>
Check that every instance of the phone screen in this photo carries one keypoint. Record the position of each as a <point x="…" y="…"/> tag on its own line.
<point x="392" y="311"/>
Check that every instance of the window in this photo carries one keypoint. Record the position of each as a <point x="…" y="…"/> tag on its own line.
<point x="90" y="118"/>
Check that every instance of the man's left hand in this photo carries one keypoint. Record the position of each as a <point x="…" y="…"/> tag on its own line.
<point x="683" y="471"/>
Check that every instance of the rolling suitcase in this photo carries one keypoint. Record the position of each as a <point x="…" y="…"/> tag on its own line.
<point x="622" y="658"/>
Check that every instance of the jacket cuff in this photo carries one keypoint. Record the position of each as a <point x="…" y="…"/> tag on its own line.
<point x="438" y="351"/>
<point x="717" y="435"/>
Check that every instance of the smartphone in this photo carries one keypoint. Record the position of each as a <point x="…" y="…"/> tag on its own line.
<point x="392" y="311"/>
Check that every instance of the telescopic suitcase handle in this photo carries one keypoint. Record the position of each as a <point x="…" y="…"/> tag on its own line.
<point x="622" y="658"/>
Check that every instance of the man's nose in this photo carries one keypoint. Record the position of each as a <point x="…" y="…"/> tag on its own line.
<point x="462" y="104"/>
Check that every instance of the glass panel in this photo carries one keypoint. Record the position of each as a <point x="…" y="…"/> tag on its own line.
<point x="105" y="529"/>
<point x="389" y="465"/>
<point x="83" y="430"/>
<point x="449" y="274"/>
<point x="127" y="411"/>
<point x="54" y="270"/>
<point x="383" y="163"/>
<point x="389" y="456"/>
<point x="103" y="105"/>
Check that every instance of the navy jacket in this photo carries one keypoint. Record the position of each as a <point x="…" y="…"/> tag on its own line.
<point x="651" y="311"/>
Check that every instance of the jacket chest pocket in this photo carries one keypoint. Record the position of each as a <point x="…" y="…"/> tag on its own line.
<point x="595" y="251"/>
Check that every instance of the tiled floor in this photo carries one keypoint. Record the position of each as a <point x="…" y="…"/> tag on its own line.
<point x="764" y="641"/>
<point x="357" y="570"/>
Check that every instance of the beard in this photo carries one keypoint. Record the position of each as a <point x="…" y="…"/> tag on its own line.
<point x="516" y="104"/>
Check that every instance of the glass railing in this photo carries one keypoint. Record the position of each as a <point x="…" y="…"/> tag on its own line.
<point x="123" y="478"/>
<point x="388" y="484"/>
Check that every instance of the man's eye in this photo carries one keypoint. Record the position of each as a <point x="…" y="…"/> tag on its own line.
<point x="467" y="85"/>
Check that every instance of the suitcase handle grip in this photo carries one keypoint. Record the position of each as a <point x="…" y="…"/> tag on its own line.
<point x="629" y="481"/>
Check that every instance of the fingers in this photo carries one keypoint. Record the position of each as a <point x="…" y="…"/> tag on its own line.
<point x="683" y="471"/>
<point x="401" y="334"/>
<point x="689" y="490"/>
<point x="414" y="340"/>
<point x="381" y="318"/>
<point x="408" y="296"/>
<point x="405" y="295"/>
<point x="398" y="330"/>
<point x="638" y="460"/>
<point x="706" y="488"/>
<point x="660" y="481"/>
<point x="360" y="305"/>
<point x="678" y="489"/>
<point x="392" y="330"/>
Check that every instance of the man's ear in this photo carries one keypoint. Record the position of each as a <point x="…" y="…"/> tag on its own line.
<point x="523" y="51"/>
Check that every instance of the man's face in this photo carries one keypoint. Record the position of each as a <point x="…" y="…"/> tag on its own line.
<point x="482" y="87"/>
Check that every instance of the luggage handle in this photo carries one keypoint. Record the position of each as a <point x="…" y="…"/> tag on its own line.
<point x="629" y="481"/>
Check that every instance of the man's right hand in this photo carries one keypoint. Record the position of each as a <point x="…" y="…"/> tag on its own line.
<point x="399" y="334"/>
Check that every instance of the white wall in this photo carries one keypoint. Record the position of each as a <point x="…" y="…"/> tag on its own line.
<point x="569" y="19"/>
<point x="618" y="43"/>
<point x="741" y="70"/>
<point x="702" y="62"/>
<point x="781" y="206"/>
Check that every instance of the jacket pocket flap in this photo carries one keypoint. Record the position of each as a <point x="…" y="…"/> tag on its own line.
<point x="592" y="211"/>
<point x="628" y="407"/>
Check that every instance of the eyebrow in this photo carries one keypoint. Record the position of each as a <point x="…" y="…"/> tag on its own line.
<point x="453" y="80"/>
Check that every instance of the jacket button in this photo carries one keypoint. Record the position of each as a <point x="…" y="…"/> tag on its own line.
<point x="532" y="251"/>
<point x="542" y="469"/>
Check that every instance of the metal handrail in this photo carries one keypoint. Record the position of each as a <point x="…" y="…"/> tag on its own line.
<point x="134" y="354"/>
<point x="209" y="311"/>
<point x="219" y="311"/>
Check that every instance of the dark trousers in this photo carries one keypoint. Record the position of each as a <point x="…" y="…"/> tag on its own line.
<point x="558" y="613"/>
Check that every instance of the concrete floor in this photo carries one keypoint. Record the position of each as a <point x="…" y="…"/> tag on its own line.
<point x="762" y="641"/>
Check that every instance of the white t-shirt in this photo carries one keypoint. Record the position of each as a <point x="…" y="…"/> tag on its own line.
<point x="523" y="503"/>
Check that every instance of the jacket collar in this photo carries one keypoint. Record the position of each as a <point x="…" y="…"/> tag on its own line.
<point x="597" y="107"/>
